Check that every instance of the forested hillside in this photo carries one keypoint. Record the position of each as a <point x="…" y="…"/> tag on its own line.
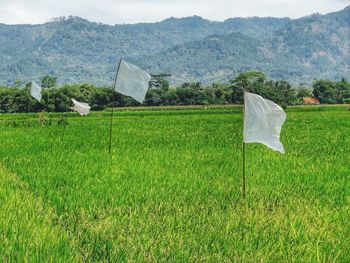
<point x="191" y="49"/>
<point x="301" y="51"/>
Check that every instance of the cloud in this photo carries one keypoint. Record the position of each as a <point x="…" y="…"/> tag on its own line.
<point x="132" y="11"/>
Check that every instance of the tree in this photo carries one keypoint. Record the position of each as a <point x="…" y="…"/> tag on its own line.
<point x="246" y="79"/>
<point x="153" y="98"/>
<point x="342" y="91"/>
<point x="196" y="86"/>
<point x="48" y="81"/>
<point x="17" y="84"/>
<point x="159" y="81"/>
<point x="325" y="91"/>
<point x="303" y="92"/>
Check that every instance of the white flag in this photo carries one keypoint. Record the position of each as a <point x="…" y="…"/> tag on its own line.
<point x="35" y="91"/>
<point x="81" y="107"/>
<point x="263" y="120"/>
<point x="132" y="81"/>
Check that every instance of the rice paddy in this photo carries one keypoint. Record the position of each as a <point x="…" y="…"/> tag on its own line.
<point x="171" y="190"/>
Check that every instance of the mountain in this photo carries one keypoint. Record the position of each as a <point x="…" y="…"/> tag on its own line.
<point x="76" y="50"/>
<point x="316" y="46"/>
<point x="192" y="48"/>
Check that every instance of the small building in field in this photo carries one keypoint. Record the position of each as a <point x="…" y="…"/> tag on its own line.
<point x="311" y="101"/>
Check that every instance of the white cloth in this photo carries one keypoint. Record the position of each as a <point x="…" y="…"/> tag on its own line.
<point x="81" y="107"/>
<point x="132" y="81"/>
<point x="35" y="91"/>
<point x="263" y="120"/>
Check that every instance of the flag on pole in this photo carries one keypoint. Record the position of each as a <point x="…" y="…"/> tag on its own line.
<point x="35" y="91"/>
<point x="132" y="81"/>
<point x="81" y="107"/>
<point x="263" y="120"/>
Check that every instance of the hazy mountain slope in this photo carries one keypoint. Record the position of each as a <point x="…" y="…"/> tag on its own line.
<point x="304" y="49"/>
<point x="215" y="57"/>
<point x="320" y="44"/>
<point x="76" y="50"/>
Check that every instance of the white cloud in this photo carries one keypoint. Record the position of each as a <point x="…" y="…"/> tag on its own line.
<point x="132" y="11"/>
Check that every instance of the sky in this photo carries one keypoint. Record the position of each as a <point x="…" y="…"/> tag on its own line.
<point x="135" y="11"/>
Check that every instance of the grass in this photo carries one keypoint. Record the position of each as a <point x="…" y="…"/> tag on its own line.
<point x="171" y="189"/>
<point x="28" y="232"/>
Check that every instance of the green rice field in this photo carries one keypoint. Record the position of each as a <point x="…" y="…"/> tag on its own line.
<point x="171" y="189"/>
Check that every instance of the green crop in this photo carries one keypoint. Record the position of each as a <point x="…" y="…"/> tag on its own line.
<point x="171" y="190"/>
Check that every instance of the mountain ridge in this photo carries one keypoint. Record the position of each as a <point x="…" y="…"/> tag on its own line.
<point x="76" y="50"/>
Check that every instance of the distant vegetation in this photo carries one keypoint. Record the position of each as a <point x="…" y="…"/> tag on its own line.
<point x="191" y="49"/>
<point x="56" y="98"/>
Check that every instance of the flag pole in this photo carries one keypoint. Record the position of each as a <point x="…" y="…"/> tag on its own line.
<point x="65" y="125"/>
<point x="243" y="169"/>
<point x="243" y="154"/>
<point x="111" y="123"/>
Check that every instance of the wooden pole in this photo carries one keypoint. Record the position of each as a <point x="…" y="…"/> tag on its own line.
<point x="110" y="133"/>
<point x="111" y="123"/>
<point x="243" y="154"/>
<point x="243" y="170"/>
<point x="65" y="125"/>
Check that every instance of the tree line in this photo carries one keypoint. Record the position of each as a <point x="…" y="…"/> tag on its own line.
<point x="16" y="98"/>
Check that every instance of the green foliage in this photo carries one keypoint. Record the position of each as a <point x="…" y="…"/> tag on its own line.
<point x="303" y="92"/>
<point x="332" y="92"/>
<point x="58" y="99"/>
<point x="48" y="81"/>
<point x="160" y="81"/>
<point x="17" y="84"/>
<point x="280" y="92"/>
<point x="55" y="99"/>
<point x="248" y="79"/>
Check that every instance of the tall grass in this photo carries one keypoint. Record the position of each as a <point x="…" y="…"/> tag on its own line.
<point x="171" y="189"/>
